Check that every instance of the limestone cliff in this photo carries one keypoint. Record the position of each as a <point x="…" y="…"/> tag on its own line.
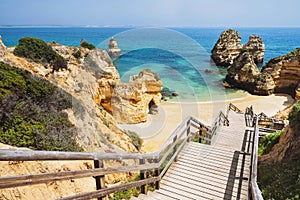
<point x="2" y="48"/>
<point x="131" y="102"/>
<point x="229" y="46"/>
<point x="285" y="71"/>
<point x="97" y="130"/>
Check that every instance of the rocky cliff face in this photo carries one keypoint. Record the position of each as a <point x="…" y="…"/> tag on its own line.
<point x="229" y="46"/>
<point x="244" y="74"/>
<point x="285" y="71"/>
<point x="256" y="47"/>
<point x="113" y="50"/>
<point x="97" y="130"/>
<point x="286" y="149"/>
<point x="279" y="170"/>
<point x="131" y="102"/>
<point x="2" y="48"/>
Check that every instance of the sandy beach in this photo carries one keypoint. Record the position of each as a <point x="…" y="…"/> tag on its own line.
<point x="158" y="127"/>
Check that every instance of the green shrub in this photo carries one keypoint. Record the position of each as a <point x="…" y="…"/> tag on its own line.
<point x="294" y="115"/>
<point x="268" y="141"/>
<point x="31" y="112"/>
<point x="280" y="180"/>
<point x="135" y="138"/>
<point x="135" y="191"/>
<point x="39" y="51"/>
<point x="77" y="54"/>
<point x="84" y="44"/>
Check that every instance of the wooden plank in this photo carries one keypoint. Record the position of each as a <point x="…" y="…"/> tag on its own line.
<point x="206" y="152"/>
<point x="185" y="192"/>
<point x="158" y="196"/>
<point x="15" y="181"/>
<point x="200" y="184"/>
<point x="148" y="197"/>
<point x="200" y="188"/>
<point x="106" y="191"/>
<point x="30" y="155"/>
<point x="223" y="164"/>
<point x="173" y="193"/>
<point x="100" y="180"/>
<point x="200" y="157"/>
<point x="208" y="169"/>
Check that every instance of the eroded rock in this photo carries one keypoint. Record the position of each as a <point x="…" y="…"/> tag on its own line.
<point x="285" y="71"/>
<point x="244" y="74"/>
<point x="256" y="47"/>
<point x="113" y="50"/>
<point x="2" y="48"/>
<point x="131" y="102"/>
<point x="229" y="46"/>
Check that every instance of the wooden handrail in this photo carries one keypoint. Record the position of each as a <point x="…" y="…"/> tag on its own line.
<point x="217" y="122"/>
<point x="255" y="192"/>
<point x="171" y="147"/>
<point x="106" y="191"/>
<point x="16" y="181"/>
<point x="234" y="108"/>
<point x="31" y="155"/>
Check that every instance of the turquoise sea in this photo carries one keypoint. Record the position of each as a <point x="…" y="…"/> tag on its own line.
<point x="181" y="56"/>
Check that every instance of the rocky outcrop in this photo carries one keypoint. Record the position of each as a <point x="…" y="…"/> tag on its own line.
<point x="256" y="47"/>
<point x="131" y="102"/>
<point x="97" y="129"/>
<point x="297" y="93"/>
<point x="2" y="48"/>
<point x="285" y="71"/>
<point x="288" y="146"/>
<point x="244" y="74"/>
<point x="229" y="46"/>
<point x="279" y="75"/>
<point x="113" y="50"/>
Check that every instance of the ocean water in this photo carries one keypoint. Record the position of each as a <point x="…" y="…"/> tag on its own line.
<point x="181" y="56"/>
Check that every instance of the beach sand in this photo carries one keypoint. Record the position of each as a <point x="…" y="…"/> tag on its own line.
<point x="159" y="127"/>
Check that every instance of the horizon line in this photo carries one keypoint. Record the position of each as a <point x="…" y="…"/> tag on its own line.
<point x="135" y="26"/>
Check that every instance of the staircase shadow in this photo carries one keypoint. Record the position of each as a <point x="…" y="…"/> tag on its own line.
<point x="239" y="175"/>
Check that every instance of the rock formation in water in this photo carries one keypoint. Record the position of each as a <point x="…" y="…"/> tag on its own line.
<point x="256" y="47"/>
<point x="229" y="46"/>
<point x="131" y="102"/>
<point x="113" y="50"/>
<point x="285" y="71"/>
<point x="244" y="74"/>
<point x="279" y="75"/>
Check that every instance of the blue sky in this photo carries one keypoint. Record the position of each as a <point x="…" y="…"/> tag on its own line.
<point x="165" y="13"/>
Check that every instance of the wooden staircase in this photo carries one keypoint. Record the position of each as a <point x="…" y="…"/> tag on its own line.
<point x="222" y="165"/>
<point x="216" y="171"/>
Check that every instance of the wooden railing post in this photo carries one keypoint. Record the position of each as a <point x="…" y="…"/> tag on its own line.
<point x="157" y="173"/>
<point x="188" y="130"/>
<point x="143" y="176"/>
<point x="100" y="180"/>
<point x="175" y="147"/>
<point x="200" y="133"/>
